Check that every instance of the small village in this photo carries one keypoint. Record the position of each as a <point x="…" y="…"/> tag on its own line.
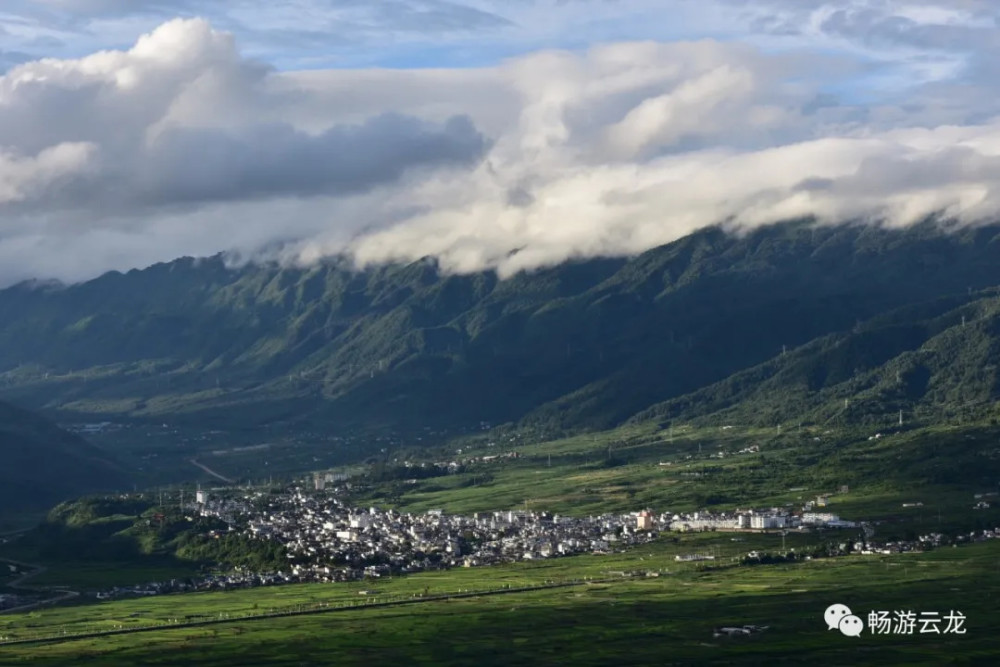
<point x="331" y="541"/>
<point x="328" y="540"/>
<point x="362" y="560"/>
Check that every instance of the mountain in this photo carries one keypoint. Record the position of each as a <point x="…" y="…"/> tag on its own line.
<point x="934" y="362"/>
<point x="43" y="464"/>
<point x="586" y="344"/>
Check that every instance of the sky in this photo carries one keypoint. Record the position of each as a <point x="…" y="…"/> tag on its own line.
<point x="493" y="135"/>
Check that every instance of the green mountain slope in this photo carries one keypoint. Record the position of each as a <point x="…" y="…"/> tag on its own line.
<point x="41" y="464"/>
<point x="934" y="362"/>
<point x="583" y="345"/>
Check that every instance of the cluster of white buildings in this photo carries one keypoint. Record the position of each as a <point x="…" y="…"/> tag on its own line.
<point x="211" y="582"/>
<point x="768" y="519"/>
<point x="329" y="540"/>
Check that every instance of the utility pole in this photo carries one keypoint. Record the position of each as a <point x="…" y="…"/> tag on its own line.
<point x="900" y="417"/>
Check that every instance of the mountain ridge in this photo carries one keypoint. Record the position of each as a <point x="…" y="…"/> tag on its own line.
<point x="583" y="345"/>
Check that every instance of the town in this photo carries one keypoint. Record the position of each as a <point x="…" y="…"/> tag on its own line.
<point x="330" y="541"/>
<point x="326" y="539"/>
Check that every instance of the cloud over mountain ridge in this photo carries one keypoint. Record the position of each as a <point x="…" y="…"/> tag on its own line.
<point x="180" y="145"/>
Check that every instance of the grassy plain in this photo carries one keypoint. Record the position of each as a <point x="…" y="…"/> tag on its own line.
<point x="668" y="619"/>
<point x="681" y="470"/>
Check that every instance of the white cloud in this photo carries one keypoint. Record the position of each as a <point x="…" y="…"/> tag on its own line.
<point x="22" y="178"/>
<point x="174" y="120"/>
<point x="180" y="145"/>
<point x="900" y="177"/>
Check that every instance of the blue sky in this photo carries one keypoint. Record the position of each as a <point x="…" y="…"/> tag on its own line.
<point x="135" y="131"/>
<point x="454" y="33"/>
<point x="894" y="44"/>
<point x="342" y="33"/>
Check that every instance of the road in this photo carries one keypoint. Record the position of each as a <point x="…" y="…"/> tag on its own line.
<point x="211" y="472"/>
<point x="18" y="584"/>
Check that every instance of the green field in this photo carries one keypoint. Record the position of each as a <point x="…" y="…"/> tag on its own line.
<point x="664" y="619"/>
<point x="941" y="467"/>
<point x="667" y="619"/>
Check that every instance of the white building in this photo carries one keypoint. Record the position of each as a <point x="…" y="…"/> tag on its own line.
<point x="767" y="521"/>
<point x="825" y="519"/>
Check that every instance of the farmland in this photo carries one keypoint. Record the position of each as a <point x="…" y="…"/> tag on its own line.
<point x="634" y="620"/>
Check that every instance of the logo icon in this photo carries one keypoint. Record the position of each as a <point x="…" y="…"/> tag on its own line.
<point x="851" y="626"/>
<point x="834" y="614"/>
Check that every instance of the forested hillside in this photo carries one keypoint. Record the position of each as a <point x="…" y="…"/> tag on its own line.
<point x="582" y="345"/>
<point x="41" y="464"/>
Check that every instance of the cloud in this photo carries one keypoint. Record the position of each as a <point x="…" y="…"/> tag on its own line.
<point x="123" y="134"/>
<point x="180" y="144"/>
<point x="898" y="178"/>
<point x="930" y="39"/>
<point x="264" y="161"/>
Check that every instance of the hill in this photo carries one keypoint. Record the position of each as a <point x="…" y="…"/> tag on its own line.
<point x="738" y="371"/>
<point x="933" y="363"/>
<point x="43" y="464"/>
<point x="583" y="345"/>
